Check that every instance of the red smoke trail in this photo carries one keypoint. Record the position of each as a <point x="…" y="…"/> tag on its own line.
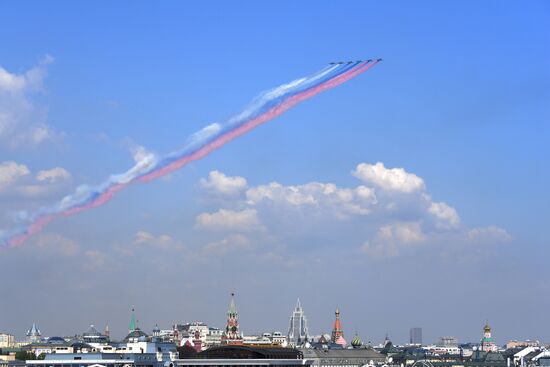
<point x="270" y="114"/>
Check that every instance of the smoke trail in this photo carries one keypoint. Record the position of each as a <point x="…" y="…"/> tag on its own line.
<point x="263" y="108"/>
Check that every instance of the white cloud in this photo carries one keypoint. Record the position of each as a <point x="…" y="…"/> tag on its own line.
<point x="223" y="184"/>
<point x="391" y="208"/>
<point x="16" y="181"/>
<point x="53" y="175"/>
<point x="391" y="179"/>
<point x="342" y="201"/>
<point x="11" y="171"/>
<point x="392" y="238"/>
<point x="491" y="234"/>
<point x="162" y="241"/>
<point x="21" y="121"/>
<point x="446" y="216"/>
<point x="230" y="220"/>
<point x="234" y="242"/>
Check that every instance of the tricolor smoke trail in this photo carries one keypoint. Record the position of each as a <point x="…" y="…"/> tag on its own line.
<point x="265" y="107"/>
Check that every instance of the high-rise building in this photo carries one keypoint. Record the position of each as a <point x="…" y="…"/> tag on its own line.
<point x="415" y="336"/>
<point x="298" y="332"/>
<point x="337" y="332"/>
<point x="232" y="334"/>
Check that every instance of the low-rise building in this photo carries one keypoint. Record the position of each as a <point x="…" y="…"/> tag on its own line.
<point x="522" y="344"/>
<point x="343" y="357"/>
<point x="11" y="363"/>
<point x="97" y="360"/>
<point x="243" y="356"/>
<point x="6" y="340"/>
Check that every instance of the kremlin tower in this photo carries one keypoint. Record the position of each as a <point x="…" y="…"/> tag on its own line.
<point x="231" y="334"/>
<point x="337" y="332"/>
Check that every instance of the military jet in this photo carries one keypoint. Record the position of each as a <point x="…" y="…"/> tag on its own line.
<point x="351" y="62"/>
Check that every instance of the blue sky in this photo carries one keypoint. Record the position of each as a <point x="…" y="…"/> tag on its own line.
<point x="460" y="102"/>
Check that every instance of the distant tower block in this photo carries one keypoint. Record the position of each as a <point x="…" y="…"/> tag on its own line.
<point x="415" y="336"/>
<point x="232" y="334"/>
<point x="298" y="333"/>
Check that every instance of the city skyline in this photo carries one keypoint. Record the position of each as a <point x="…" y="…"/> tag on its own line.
<point x="414" y="194"/>
<point x="135" y="323"/>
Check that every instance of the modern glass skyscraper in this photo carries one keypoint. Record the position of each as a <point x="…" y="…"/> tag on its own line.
<point x="298" y="332"/>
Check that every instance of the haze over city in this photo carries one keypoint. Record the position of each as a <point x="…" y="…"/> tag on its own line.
<point x="413" y="194"/>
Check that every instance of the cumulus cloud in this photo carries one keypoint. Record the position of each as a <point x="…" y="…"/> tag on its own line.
<point x="234" y="242"/>
<point x="53" y="175"/>
<point x="163" y="241"/>
<point x="389" y="212"/>
<point x="491" y="234"/>
<point x="223" y="184"/>
<point x="446" y="216"/>
<point x="16" y="180"/>
<point x="230" y="220"/>
<point x="391" y="239"/>
<point x="391" y="179"/>
<point x="11" y="171"/>
<point x="21" y="120"/>
<point x="326" y="196"/>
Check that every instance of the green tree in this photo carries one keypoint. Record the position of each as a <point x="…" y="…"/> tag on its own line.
<point x="24" y="355"/>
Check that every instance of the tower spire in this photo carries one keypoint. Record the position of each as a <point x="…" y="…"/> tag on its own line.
<point x="133" y="324"/>
<point x="232" y="306"/>
<point x="232" y="334"/>
<point x="337" y="332"/>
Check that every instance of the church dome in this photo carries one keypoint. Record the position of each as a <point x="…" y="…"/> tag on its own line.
<point x="356" y="342"/>
<point x="135" y="335"/>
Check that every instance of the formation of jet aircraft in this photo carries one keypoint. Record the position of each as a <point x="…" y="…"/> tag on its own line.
<point x="351" y="62"/>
